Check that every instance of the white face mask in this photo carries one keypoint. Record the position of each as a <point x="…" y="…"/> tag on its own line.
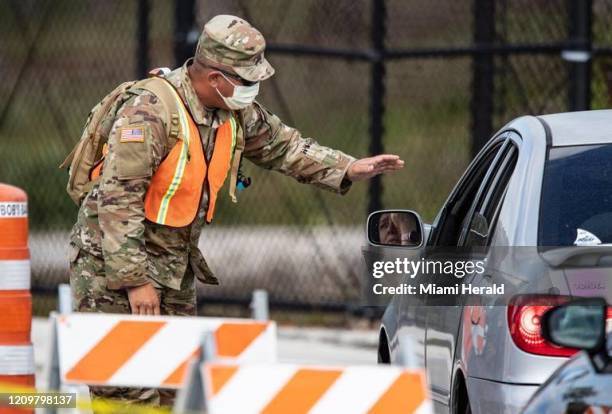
<point x="242" y="97"/>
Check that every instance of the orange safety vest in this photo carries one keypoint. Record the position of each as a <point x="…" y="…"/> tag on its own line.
<point x="173" y="197"/>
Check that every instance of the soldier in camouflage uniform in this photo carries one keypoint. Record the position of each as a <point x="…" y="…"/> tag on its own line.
<point x="123" y="263"/>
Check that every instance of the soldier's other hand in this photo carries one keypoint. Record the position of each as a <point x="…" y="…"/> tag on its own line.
<point x="366" y="168"/>
<point x="144" y="300"/>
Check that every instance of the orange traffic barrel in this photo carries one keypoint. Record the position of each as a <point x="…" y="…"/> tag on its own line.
<point x="16" y="374"/>
<point x="16" y="351"/>
<point x="17" y="365"/>
<point x="16" y="311"/>
<point x="15" y="297"/>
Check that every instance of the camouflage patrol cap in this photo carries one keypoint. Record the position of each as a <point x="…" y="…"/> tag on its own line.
<point x="233" y="43"/>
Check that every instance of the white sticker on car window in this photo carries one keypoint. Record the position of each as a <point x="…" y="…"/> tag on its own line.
<point x="586" y="238"/>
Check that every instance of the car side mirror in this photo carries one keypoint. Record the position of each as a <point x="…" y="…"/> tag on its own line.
<point x="400" y="228"/>
<point x="579" y="324"/>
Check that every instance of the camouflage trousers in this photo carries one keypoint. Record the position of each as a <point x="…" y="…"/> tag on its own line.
<point x="89" y="294"/>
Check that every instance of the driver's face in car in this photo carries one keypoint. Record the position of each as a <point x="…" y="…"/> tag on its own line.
<point x="394" y="229"/>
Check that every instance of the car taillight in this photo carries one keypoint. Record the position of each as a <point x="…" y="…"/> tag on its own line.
<point x="524" y="320"/>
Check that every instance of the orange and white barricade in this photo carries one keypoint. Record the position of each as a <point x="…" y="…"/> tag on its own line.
<point x="16" y="351"/>
<point x="288" y="388"/>
<point x="147" y="351"/>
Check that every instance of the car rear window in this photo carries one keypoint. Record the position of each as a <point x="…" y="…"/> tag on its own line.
<point x="576" y="204"/>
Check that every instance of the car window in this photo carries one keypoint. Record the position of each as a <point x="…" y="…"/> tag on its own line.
<point x="479" y="232"/>
<point x="576" y="201"/>
<point x="459" y="206"/>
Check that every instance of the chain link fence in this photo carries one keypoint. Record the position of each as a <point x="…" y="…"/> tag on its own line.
<point x="448" y="73"/>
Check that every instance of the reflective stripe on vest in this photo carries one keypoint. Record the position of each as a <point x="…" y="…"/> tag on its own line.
<point x="179" y="169"/>
<point x="173" y="198"/>
<point x="220" y="163"/>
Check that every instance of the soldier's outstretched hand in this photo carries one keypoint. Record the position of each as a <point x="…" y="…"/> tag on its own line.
<point x="366" y="168"/>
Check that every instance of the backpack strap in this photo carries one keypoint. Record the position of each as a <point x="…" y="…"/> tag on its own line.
<point x="66" y="163"/>
<point x="161" y="88"/>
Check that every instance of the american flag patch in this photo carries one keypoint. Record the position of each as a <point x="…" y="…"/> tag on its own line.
<point x="132" y="134"/>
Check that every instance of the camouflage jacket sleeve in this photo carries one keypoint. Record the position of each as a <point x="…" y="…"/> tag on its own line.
<point x="135" y="149"/>
<point x="271" y="144"/>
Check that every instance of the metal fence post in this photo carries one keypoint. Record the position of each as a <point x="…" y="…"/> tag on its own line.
<point x="259" y="305"/>
<point x="483" y="75"/>
<point x="377" y="97"/>
<point x="580" y="33"/>
<point x="64" y="299"/>
<point x="184" y="36"/>
<point x="142" y="47"/>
